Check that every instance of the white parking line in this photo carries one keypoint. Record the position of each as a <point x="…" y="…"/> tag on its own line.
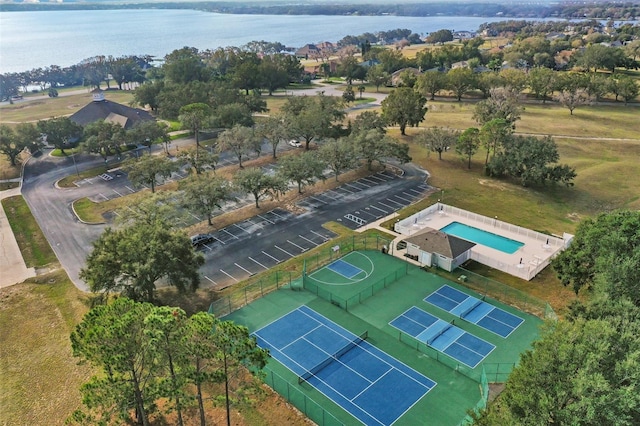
<point x="353" y="186"/>
<point x="272" y="212"/>
<point x="333" y="192"/>
<point x="403" y="199"/>
<point x="408" y="195"/>
<point x="386" y="205"/>
<point x="224" y="230"/>
<point x="103" y="196"/>
<point x="268" y="255"/>
<point x="294" y="244"/>
<point x="320" y="235"/>
<point x="196" y="217"/>
<point x="210" y="280"/>
<point x="230" y="276"/>
<point x="244" y="269"/>
<point x="374" y="207"/>
<point x="130" y="189"/>
<point x="318" y="199"/>
<point x="255" y="261"/>
<point x="344" y="189"/>
<point x="265" y="219"/>
<point x="306" y="239"/>
<point x="359" y="182"/>
<point x="395" y="202"/>
<point x="218" y="239"/>
<point x="372" y="182"/>
<point x="413" y="190"/>
<point x="283" y="250"/>
<point x="378" y="179"/>
<point x="119" y="194"/>
<point x="241" y="228"/>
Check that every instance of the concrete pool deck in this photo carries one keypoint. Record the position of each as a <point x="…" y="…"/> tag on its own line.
<point x="525" y="263"/>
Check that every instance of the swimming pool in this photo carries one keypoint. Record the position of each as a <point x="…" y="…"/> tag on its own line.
<point x="485" y="238"/>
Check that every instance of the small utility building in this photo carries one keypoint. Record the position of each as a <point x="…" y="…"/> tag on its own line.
<point x="435" y="248"/>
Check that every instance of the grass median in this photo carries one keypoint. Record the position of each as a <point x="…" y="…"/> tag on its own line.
<point x="35" y="248"/>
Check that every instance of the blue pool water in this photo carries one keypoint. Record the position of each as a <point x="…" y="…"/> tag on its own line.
<point x="482" y="237"/>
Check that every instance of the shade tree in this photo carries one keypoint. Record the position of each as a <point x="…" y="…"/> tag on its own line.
<point x="194" y="117"/>
<point x="431" y="82"/>
<point x="308" y="118"/>
<point x="502" y="104"/>
<point x="437" y="139"/>
<point x="14" y="141"/>
<point x="374" y="146"/>
<point x="104" y="138"/>
<point x="257" y="182"/>
<point x="198" y="160"/>
<point x="405" y="107"/>
<point x="240" y="141"/>
<point x="205" y="194"/>
<point x="273" y="129"/>
<point x="468" y="144"/>
<point x="150" y="170"/>
<point x="460" y="81"/>
<point x="339" y="155"/>
<point x="304" y="169"/>
<point x="60" y="132"/>
<point x="132" y="259"/>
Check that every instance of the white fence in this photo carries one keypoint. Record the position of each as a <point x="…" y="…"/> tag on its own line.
<point x="549" y="245"/>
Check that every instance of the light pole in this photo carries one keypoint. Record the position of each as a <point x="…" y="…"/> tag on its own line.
<point x="73" y="157"/>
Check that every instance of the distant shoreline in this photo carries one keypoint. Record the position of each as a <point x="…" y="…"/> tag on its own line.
<point x="436" y="9"/>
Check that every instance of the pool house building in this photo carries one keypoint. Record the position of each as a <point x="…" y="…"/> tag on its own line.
<point x="436" y="235"/>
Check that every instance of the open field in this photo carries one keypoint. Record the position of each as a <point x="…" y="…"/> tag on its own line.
<point x="41" y="109"/>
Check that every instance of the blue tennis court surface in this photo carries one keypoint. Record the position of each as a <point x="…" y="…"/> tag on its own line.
<point x="344" y="268"/>
<point x="443" y="336"/>
<point x="374" y="387"/>
<point x="474" y="310"/>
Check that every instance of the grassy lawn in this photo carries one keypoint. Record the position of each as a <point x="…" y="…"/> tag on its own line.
<point x="87" y="212"/>
<point x="46" y="107"/>
<point x="35" y="248"/>
<point x="40" y="377"/>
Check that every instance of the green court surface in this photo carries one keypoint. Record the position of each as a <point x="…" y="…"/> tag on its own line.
<point x="458" y="386"/>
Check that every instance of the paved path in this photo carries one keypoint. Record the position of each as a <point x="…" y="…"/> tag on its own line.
<point x="12" y="265"/>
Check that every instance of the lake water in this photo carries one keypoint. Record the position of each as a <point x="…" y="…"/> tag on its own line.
<point x="38" y="39"/>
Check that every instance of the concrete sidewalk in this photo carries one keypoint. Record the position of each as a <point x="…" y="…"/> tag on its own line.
<point x="12" y="264"/>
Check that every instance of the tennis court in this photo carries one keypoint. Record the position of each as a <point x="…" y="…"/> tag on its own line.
<point x="374" y="387"/>
<point x="474" y="310"/>
<point x="350" y="269"/>
<point x="443" y="336"/>
<point x="345" y="269"/>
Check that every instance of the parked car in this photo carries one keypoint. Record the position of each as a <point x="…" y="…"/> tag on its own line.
<point x="201" y="239"/>
<point x="294" y="143"/>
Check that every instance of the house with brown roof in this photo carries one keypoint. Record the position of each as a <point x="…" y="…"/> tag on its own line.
<point x="432" y="247"/>
<point x="102" y="109"/>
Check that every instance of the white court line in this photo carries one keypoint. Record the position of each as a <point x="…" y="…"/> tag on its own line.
<point x="321" y="236"/>
<point x="244" y="269"/>
<point x="387" y="205"/>
<point x="267" y="254"/>
<point x="283" y="250"/>
<point x="230" y="233"/>
<point x="130" y="189"/>
<point x="265" y="219"/>
<point x="255" y="261"/>
<point x="294" y="244"/>
<point x="374" y="207"/>
<point x="306" y="239"/>
<point x="230" y="276"/>
<point x="210" y="280"/>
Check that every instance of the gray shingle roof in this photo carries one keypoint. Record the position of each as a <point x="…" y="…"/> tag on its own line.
<point x="107" y="110"/>
<point x="434" y="241"/>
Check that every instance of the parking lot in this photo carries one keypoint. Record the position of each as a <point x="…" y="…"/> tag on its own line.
<point x="261" y="242"/>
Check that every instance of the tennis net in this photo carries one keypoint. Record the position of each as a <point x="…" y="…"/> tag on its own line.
<point x="470" y="308"/>
<point x="440" y="333"/>
<point x="333" y="357"/>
